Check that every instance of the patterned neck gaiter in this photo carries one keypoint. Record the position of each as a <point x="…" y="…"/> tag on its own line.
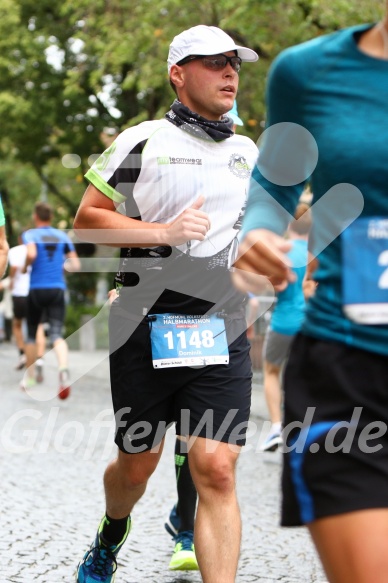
<point x="199" y="126"/>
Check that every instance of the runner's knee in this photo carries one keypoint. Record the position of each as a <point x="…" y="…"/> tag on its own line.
<point x="214" y="472"/>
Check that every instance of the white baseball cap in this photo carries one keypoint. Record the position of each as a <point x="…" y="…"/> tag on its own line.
<point x="205" y="40"/>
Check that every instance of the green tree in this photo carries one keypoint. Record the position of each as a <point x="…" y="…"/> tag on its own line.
<point x="74" y="73"/>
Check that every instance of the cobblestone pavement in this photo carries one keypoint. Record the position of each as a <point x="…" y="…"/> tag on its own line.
<point x="53" y="454"/>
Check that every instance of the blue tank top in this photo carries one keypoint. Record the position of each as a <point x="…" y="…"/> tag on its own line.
<point x="288" y="314"/>
<point x="52" y="247"/>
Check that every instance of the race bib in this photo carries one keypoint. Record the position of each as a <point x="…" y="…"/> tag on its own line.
<point x="365" y="270"/>
<point x="178" y="340"/>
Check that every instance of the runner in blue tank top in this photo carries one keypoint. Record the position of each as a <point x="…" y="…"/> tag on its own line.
<point x="47" y="250"/>
<point x="52" y="247"/>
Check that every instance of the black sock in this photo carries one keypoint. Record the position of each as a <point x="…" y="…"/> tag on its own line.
<point x="187" y="494"/>
<point x="114" y="530"/>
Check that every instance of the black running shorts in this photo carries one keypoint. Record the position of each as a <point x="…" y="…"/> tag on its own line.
<point x="19" y="305"/>
<point x="338" y="461"/>
<point x="211" y="401"/>
<point x="49" y="303"/>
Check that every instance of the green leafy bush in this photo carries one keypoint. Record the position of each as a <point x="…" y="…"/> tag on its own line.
<point x="75" y="317"/>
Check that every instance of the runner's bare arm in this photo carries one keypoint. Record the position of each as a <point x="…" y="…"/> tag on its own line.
<point x="72" y="262"/>
<point x="31" y="255"/>
<point x="3" y="251"/>
<point x="262" y="252"/>
<point x="98" y="221"/>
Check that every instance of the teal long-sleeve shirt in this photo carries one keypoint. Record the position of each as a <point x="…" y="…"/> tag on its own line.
<point x="329" y="87"/>
<point x="2" y="217"/>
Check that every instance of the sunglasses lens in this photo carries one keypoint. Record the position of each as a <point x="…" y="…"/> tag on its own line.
<point x="236" y="63"/>
<point x="219" y="63"/>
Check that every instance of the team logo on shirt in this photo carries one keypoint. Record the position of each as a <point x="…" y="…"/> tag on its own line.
<point x="239" y="166"/>
<point x="174" y="160"/>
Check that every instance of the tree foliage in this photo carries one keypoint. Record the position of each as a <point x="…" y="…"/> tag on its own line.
<point x="75" y="72"/>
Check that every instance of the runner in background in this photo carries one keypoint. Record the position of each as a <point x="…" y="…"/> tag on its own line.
<point x="47" y="250"/>
<point x="286" y="321"/>
<point x="5" y="310"/>
<point x="20" y="286"/>
<point x="3" y="242"/>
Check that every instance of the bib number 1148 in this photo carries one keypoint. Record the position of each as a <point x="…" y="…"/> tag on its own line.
<point x="204" y="339"/>
<point x="180" y="340"/>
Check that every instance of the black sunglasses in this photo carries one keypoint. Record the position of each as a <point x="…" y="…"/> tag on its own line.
<point x="214" y="62"/>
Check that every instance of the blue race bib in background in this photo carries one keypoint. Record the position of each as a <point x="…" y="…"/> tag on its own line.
<point x="365" y="270"/>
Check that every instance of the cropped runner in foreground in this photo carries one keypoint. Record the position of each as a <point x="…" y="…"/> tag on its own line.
<point x="328" y="118"/>
<point x="171" y="194"/>
<point x="3" y="242"/>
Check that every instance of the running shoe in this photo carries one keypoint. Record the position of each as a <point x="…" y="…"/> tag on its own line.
<point x="27" y="383"/>
<point x="272" y="442"/>
<point x="173" y="523"/>
<point x="99" y="564"/>
<point x="21" y="362"/>
<point x="64" y="384"/>
<point x="39" y="370"/>
<point x="183" y="557"/>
